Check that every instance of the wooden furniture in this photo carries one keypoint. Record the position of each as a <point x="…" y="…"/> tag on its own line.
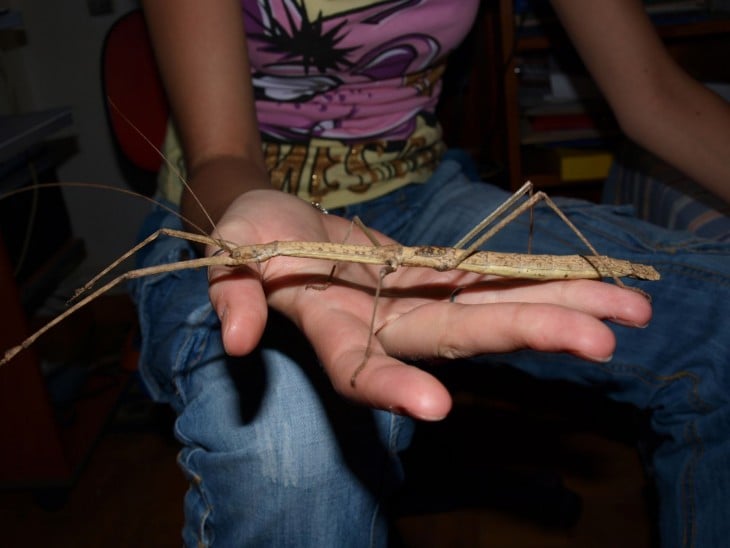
<point x="490" y="125"/>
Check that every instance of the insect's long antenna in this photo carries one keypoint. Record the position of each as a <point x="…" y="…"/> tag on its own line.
<point x="169" y="164"/>
<point x="105" y="188"/>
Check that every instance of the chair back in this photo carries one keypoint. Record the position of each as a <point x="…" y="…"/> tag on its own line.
<point x="131" y="81"/>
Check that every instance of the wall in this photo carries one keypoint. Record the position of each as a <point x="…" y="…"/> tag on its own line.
<point x="59" y="65"/>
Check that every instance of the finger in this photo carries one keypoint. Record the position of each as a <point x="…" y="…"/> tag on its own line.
<point x="598" y="299"/>
<point x="451" y="330"/>
<point x="238" y="299"/>
<point x="384" y="382"/>
<point x="388" y="383"/>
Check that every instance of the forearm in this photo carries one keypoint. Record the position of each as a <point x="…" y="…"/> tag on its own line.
<point x="657" y="104"/>
<point x="201" y="51"/>
<point x="689" y="126"/>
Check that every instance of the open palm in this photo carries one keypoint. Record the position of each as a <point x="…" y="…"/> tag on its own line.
<point x="415" y="317"/>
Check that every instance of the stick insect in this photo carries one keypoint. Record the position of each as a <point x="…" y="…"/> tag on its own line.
<point x="464" y="255"/>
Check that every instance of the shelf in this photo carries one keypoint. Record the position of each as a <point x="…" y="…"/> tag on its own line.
<point x="487" y="117"/>
<point x="698" y="41"/>
<point x="549" y="166"/>
<point x="552" y="35"/>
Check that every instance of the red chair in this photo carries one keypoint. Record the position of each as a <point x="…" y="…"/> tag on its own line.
<point x="137" y="113"/>
<point x="134" y="98"/>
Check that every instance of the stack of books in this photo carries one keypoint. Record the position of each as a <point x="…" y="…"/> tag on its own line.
<point x="563" y="164"/>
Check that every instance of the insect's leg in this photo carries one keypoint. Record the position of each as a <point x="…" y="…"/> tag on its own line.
<point x="387" y="269"/>
<point x="476" y="237"/>
<point x="149" y="239"/>
<point x="365" y="230"/>
<point x="517" y="211"/>
<point x="321" y="286"/>
<point x="596" y="256"/>
<point x="508" y="204"/>
<point x="531" y="230"/>
<point x="130" y="275"/>
<point x="371" y="332"/>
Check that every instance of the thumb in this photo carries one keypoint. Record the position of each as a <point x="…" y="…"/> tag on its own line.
<point x="238" y="299"/>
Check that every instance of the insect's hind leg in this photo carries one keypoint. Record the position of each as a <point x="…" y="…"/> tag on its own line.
<point x="478" y="235"/>
<point x="541" y="196"/>
<point x="509" y="211"/>
<point x="473" y="235"/>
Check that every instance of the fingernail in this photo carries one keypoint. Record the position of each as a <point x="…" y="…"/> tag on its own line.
<point x="602" y="359"/>
<point x="630" y="324"/>
<point x="403" y="412"/>
<point x="430" y="418"/>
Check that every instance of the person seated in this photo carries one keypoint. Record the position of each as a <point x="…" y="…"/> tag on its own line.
<point x="280" y="105"/>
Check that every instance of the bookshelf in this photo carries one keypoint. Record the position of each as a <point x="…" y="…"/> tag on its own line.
<point x="699" y="41"/>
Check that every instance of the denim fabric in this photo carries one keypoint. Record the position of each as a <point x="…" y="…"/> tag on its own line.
<point x="274" y="458"/>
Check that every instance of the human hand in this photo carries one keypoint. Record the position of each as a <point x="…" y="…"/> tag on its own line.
<point x="415" y="316"/>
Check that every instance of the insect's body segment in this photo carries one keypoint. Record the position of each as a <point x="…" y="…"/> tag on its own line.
<point x="511" y="265"/>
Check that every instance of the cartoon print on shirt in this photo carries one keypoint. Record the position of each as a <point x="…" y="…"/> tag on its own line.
<point x="302" y="43"/>
<point x="329" y="72"/>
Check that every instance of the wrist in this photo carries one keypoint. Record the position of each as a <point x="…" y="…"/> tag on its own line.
<point x="214" y="184"/>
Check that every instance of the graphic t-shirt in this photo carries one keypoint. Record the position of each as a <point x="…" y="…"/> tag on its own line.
<point x="346" y="91"/>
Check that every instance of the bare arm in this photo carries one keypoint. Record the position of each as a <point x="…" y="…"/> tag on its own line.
<point x="656" y="103"/>
<point x="201" y="51"/>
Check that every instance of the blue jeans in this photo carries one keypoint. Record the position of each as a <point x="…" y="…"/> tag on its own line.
<point x="275" y="458"/>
